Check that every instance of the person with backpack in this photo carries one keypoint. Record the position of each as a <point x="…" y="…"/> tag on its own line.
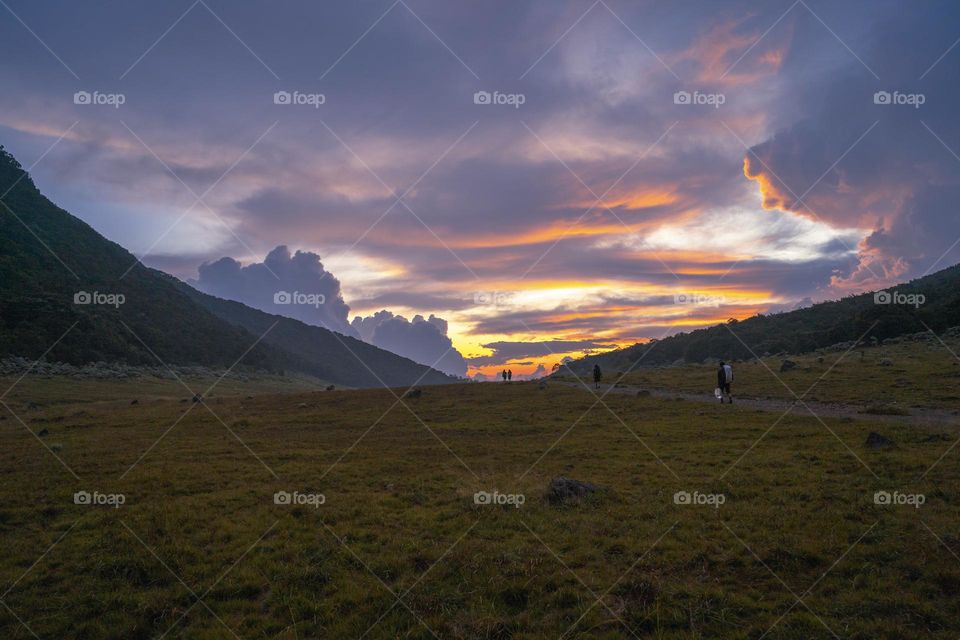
<point x="724" y="380"/>
<point x="597" y="375"/>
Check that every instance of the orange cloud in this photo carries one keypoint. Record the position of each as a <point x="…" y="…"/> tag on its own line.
<point x="773" y="197"/>
<point x="634" y="201"/>
<point x="717" y="54"/>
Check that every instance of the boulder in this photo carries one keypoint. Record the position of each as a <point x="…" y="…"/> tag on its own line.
<point x="877" y="441"/>
<point x="413" y="393"/>
<point x="330" y="387"/>
<point x="787" y="365"/>
<point x="564" y="490"/>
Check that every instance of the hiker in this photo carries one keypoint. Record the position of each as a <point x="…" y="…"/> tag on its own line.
<point x="597" y="375"/>
<point x="724" y="379"/>
<point x="509" y="375"/>
<point x="504" y="374"/>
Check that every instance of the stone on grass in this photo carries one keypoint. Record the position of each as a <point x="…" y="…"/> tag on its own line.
<point x="787" y="365"/>
<point x="413" y="393"/>
<point x="564" y="490"/>
<point x="877" y="441"/>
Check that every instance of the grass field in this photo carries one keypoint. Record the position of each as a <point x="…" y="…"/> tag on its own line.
<point x="914" y="374"/>
<point x="399" y="548"/>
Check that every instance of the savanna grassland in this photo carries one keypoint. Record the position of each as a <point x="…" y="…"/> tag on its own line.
<point x="399" y="548"/>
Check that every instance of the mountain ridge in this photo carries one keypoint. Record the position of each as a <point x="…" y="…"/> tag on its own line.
<point x="71" y="295"/>
<point x="872" y="316"/>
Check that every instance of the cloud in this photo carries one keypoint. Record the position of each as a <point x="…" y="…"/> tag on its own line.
<point x="506" y="351"/>
<point x="885" y="168"/>
<point x="296" y="286"/>
<point x="422" y="340"/>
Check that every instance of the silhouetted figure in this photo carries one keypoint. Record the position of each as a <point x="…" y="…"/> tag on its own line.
<point x="509" y="375"/>
<point x="504" y="374"/>
<point x="724" y="379"/>
<point x="597" y="375"/>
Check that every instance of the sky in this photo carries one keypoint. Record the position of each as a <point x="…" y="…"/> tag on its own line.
<point x="499" y="184"/>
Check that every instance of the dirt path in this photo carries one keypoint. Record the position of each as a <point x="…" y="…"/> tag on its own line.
<point x="938" y="417"/>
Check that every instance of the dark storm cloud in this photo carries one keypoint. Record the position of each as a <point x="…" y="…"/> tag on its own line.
<point x="296" y="286"/>
<point x="423" y="340"/>
<point x="900" y="179"/>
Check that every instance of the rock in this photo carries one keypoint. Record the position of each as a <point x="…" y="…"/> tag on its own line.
<point x="563" y="490"/>
<point x="787" y="365"/>
<point x="43" y="432"/>
<point x="56" y="447"/>
<point x="643" y="393"/>
<point x="198" y="398"/>
<point x="135" y="401"/>
<point x="413" y="393"/>
<point x="886" y="362"/>
<point x="330" y="387"/>
<point x="302" y="405"/>
<point x="877" y="441"/>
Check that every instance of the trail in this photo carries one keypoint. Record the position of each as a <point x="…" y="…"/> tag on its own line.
<point x="918" y="416"/>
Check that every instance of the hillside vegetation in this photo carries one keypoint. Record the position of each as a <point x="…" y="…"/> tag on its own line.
<point x="822" y="325"/>
<point x="48" y="257"/>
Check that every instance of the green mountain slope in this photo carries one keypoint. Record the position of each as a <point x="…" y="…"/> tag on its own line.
<point x="48" y="257"/>
<point x="319" y="351"/>
<point x="821" y="325"/>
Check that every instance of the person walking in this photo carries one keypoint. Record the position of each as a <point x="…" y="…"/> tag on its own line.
<point x="504" y="375"/>
<point x="597" y="375"/>
<point x="724" y="379"/>
<point x="509" y="375"/>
